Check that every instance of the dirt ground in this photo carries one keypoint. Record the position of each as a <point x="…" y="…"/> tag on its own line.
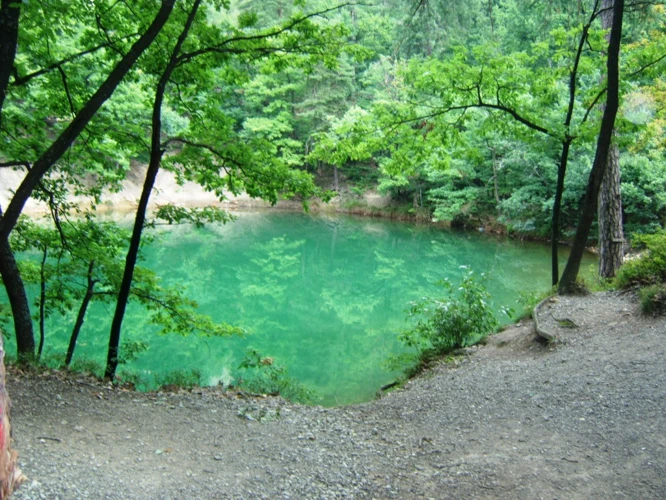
<point x="516" y="418"/>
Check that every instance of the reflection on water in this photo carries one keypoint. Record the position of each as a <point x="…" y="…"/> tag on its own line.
<point x="325" y="296"/>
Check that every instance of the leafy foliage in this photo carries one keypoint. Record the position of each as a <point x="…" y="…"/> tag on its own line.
<point x="462" y="317"/>
<point x="262" y="375"/>
<point x="650" y="266"/>
<point x="653" y="299"/>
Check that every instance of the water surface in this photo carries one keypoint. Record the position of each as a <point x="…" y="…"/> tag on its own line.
<point x="324" y="296"/>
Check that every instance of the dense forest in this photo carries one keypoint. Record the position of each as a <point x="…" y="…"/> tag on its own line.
<point x="481" y="113"/>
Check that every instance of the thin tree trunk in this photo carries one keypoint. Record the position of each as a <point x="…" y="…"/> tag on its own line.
<point x="156" y="153"/>
<point x="495" y="181"/>
<point x="11" y="276"/>
<point x="611" y="234"/>
<point x="568" y="281"/>
<point x="90" y="290"/>
<point x="557" y="210"/>
<point x="336" y="179"/>
<point x="564" y="157"/>
<point x="42" y="304"/>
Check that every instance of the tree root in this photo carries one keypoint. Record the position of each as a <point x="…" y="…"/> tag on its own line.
<point x="538" y="329"/>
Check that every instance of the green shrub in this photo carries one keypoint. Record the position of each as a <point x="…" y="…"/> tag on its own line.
<point x="650" y="267"/>
<point x="262" y="375"/>
<point x="653" y="299"/>
<point x="186" y="379"/>
<point x="529" y="300"/>
<point x="463" y="317"/>
<point x="88" y="366"/>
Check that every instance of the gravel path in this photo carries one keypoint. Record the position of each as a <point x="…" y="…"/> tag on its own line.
<point x="513" y="419"/>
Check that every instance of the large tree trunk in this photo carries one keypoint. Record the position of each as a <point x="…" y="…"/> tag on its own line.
<point x="156" y="153"/>
<point x="10" y="475"/>
<point x="611" y="235"/>
<point x="10" y="11"/>
<point x="568" y="281"/>
<point x="18" y="300"/>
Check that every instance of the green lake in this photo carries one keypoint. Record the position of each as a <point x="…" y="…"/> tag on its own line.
<point x="325" y="296"/>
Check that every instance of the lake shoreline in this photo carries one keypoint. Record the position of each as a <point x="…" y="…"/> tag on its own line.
<point x="512" y="419"/>
<point x="168" y="191"/>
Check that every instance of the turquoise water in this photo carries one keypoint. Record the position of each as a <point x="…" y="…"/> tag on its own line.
<point x="324" y="296"/>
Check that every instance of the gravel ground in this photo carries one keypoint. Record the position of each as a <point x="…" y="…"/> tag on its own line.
<point x="514" y="419"/>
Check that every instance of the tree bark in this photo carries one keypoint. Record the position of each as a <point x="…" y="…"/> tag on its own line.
<point x="10" y="11"/>
<point x="156" y="153"/>
<point x="611" y="234"/>
<point x="8" y="269"/>
<point x="336" y="179"/>
<point x="568" y="281"/>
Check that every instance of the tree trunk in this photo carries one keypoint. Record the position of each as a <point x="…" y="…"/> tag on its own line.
<point x="557" y="210"/>
<point x="568" y="281"/>
<point x="18" y="300"/>
<point x="611" y="235"/>
<point x="90" y="290"/>
<point x="10" y="11"/>
<point x="10" y="475"/>
<point x="42" y="303"/>
<point x="336" y="179"/>
<point x="495" y="181"/>
<point x="564" y="157"/>
<point x="156" y="153"/>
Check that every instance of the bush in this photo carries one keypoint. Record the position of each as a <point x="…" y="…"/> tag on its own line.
<point x="266" y="377"/>
<point x="650" y="267"/>
<point x="653" y="299"/>
<point x="182" y="379"/>
<point x="463" y="317"/>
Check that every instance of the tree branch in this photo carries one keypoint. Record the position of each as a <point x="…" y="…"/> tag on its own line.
<point x="183" y="58"/>
<point x="22" y="80"/>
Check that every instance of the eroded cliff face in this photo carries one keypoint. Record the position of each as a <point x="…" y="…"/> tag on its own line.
<point x="166" y="190"/>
